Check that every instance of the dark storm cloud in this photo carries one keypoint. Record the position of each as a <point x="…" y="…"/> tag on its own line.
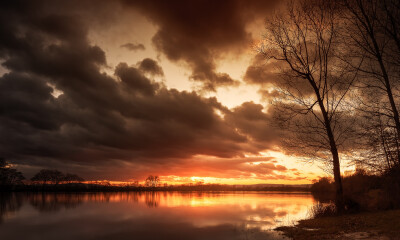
<point x="100" y="122"/>
<point x="134" y="79"/>
<point x="200" y="32"/>
<point x="260" y="71"/>
<point x="277" y="74"/>
<point x="133" y="46"/>
<point x="149" y="65"/>
<point x="250" y="120"/>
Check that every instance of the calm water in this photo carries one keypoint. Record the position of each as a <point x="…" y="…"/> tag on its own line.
<point x="157" y="215"/>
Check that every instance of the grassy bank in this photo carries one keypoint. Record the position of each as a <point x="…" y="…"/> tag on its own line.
<point x="368" y="225"/>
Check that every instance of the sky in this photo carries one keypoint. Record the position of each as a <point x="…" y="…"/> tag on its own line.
<point x="119" y="90"/>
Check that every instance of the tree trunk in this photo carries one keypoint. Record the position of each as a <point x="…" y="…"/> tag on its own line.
<point x="339" y="201"/>
<point x="339" y="198"/>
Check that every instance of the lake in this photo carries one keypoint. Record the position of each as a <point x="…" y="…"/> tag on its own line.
<point x="150" y="215"/>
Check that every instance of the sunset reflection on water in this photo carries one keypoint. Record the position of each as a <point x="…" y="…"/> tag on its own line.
<point x="150" y="215"/>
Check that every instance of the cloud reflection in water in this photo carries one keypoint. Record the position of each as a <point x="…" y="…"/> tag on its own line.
<point x="149" y="215"/>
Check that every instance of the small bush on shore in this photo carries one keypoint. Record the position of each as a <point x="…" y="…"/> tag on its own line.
<point x="322" y="210"/>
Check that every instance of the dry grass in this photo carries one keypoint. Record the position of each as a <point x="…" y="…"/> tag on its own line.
<point x="322" y="210"/>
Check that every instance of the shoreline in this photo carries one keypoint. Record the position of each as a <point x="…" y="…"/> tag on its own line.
<point x="111" y="188"/>
<point x="155" y="191"/>
<point x="380" y="225"/>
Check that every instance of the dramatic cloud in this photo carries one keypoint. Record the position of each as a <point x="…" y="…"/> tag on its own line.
<point x="274" y="78"/>
<point x="261" y="71"/>
<point x="244" y="168"/>
<point x="133" y="46"/>
<point x="60" y="109"/>
<point x="250" y="120"/>
<point x="134" y="79"/>
<point x="200" y="32"/>
<point x="148" y="65"/>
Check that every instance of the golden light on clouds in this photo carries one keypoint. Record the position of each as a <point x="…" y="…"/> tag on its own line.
<point x="134" y="90"/>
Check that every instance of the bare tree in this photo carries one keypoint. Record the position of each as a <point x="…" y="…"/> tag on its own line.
<point x="377" y="137"/>
<point x="45" y="176"/>
<point x="152" y="181"/>
<point x="72" y="178"/>
<point x="312" y="86"/>
<point x="374" y="40"/>
<point x="9" y="176"/>
<point x="390" y="23"/>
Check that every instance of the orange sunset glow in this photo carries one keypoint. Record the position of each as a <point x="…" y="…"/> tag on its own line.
<point x="199" y="119"/>
<point x="150" y="96"/>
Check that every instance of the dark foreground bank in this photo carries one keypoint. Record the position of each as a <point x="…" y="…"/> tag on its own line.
<point x="368" y="225"/>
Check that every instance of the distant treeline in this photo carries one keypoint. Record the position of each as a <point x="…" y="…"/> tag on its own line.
<point x="11" y="179"/>
<point x="54" y="180"/>
<point x="104" y="186"/>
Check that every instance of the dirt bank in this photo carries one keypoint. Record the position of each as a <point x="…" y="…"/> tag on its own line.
<point x="371" y="225"/>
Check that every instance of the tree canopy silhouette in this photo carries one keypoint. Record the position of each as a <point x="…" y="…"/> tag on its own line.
<point x="152" y="181"/>
<point x="303" y="39"/>
<point x="71" y="178"/>
<point x="45" y="176"/>
<point x="9" y="176"/>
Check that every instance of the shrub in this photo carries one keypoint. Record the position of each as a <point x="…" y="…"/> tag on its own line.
<point x="322" y="210"/>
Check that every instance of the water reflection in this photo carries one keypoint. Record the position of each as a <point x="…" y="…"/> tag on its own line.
<point x="9" y="203"/>
<point x="49" y="202"/>
<point x="149" y="215"/>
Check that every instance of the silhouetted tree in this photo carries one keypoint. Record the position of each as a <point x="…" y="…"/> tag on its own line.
<point x="373" y="38"/>
<point x="152" y="181"/>
<point x="3" y="163"/>
<point x="381" y="147"/>
<point x="70" y="178"/>
<point x="45" y="176"/>
<point x="312" y="87"/>
<point x="9" y="176"/>
<point x="322" y="185"/>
